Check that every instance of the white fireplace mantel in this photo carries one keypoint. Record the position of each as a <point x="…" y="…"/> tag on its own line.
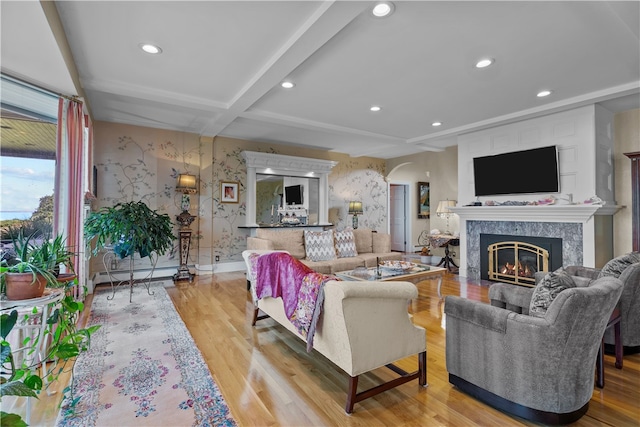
<point x="583" y="214"/>
<point x="536" y="213"/>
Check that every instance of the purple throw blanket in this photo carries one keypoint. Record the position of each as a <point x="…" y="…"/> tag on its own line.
<point x="279" y="274"/>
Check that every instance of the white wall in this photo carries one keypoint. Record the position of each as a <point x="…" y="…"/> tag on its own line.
<point x="585" y="155"/>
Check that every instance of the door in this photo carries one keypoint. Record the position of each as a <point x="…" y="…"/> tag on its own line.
<point x="398" y="217"/>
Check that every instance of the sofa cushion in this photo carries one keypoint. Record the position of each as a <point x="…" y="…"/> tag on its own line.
<point x="319" y="245"/>
<point x="364" y="240"/>
<point x="616" y="266"/>
<point x="334" y="266"/>
<point x="291" y="241"/>
<point x="345" y="243"/>
<point x="547" y="290"/>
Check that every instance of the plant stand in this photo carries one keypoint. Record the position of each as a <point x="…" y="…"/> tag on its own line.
<point x="110" y="261"/>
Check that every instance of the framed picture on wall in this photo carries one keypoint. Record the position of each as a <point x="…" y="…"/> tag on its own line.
<point x="423" y="200"/>
<point x="229" y="192"/>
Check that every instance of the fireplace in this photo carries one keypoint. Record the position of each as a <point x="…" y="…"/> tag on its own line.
<point x="515" y="259"/>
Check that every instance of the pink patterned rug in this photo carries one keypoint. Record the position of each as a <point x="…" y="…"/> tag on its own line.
<point x="143" y="368"/>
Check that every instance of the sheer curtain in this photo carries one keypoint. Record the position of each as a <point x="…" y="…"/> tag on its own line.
<point x="72" y="179"/>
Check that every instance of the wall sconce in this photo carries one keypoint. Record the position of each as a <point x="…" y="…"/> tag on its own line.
<point x="444" y="210"/>
<point x="187" y="186"/>
<point x="355" y="209"/>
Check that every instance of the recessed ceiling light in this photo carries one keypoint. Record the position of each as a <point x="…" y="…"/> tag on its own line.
<point x="485" y="62"/>
<point x="436" y="124"/>
<point x="375" y="108"/>
<point x="287" y="85"/>
<point x="382" y="9"/>
<point x="150" y="48"/>
<point x="543" y="93"/>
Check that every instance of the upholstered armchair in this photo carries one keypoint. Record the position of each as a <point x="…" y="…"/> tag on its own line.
<point x="536" y="367"/>
<point x="626" y="268"/>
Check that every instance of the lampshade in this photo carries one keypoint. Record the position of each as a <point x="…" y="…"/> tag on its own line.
<point x="355" y="208"/>
<point x="444" y="207"/>
<point x="186" y="183"/>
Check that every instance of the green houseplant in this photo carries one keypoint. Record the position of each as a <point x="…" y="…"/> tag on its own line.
<point x="131" y="228"/>
<point x="39" y="259"/>
<point x="64" y="342"/>
<point x="34" y="265"/>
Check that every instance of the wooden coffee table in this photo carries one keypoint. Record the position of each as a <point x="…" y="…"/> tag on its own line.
<point x="419" y="273"/>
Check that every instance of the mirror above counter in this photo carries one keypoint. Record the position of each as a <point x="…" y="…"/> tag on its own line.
<point x="272" y="178"/>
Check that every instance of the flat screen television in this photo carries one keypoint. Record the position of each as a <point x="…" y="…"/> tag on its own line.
<point x="518" y="172"/>
<point x="293" y="194"/>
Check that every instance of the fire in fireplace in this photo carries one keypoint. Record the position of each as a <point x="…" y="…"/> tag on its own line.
<point x="516" y="262"/>
<point x="515" y="259"/>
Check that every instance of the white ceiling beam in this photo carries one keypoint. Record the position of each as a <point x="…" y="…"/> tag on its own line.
<point x="329" y="19"/>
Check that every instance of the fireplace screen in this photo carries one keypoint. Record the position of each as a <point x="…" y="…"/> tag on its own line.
<point x="516" y="262"/>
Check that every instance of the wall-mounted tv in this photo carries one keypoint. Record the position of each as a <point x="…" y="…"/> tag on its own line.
<point x="518" y="172"/>
<point x="293" y="194"/>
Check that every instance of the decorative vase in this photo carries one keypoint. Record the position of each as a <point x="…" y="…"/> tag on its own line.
<point x="21" y="286"/>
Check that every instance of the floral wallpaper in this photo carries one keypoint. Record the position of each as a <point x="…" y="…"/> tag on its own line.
<point x="141" y="164"/>
<point x="354" y="180"/>
<point x="138" y="163"/>
<point x="351" y="179"/>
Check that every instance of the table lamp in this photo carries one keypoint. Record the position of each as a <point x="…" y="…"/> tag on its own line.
<point x="187" y="186"/>
<point x="355" y="209"/>
<point x="444" y="210"/>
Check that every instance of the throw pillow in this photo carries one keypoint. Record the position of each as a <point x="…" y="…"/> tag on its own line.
<point x="616" y="266"/>
<point x="346" y="243"/>
<point x="547" y="290"/>
<point x="319" y="246"/>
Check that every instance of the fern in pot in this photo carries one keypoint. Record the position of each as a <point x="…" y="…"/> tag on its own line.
<point x="130" y="228"/>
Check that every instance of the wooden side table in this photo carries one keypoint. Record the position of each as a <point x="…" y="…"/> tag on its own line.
<point x="444" y="240"/>
<point x="614" y="321"/>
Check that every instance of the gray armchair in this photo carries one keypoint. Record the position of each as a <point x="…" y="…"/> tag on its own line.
<point x="627" y="269"/>
<point x="538" y="368"/>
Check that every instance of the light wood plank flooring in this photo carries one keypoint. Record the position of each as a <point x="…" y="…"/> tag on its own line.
<point x="268" y="378"/>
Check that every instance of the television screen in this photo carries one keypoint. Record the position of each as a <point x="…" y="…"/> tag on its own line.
<point x="519" y="172"/>
<point x="293" y="194"/>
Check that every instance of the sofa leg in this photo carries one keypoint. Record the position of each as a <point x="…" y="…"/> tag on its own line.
<point x="421" y="375"/>
<point x="255" y="316"/>
<point x="422" y="368"/>
<point x="351" y="394"/>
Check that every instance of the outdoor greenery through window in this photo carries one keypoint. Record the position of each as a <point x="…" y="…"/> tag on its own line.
<point x="27" y="159"/>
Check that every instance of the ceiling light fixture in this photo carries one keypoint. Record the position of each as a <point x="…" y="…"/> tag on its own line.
<point x="150" y="48"/>
<point x="375" y="108"/>
<point x="436" y="124"/>
<point x="383" y="9"/>
<point x="543" y="93"/>
<point x="485" y="62"/>
<point x="287" y="85"/>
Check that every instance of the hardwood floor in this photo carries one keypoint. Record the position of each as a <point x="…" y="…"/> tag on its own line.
<point x="268" y="378"/>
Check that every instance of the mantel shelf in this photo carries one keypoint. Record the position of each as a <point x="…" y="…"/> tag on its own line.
<point x="535" y="213"/>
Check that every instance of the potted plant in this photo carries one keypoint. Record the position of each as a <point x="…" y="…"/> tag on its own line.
<point x="64" y="342"/>
<point x="34" y="265"/>
<point x="129" y="227"/>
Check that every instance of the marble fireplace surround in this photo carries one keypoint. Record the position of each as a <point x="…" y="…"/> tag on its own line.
<point x="574" y="224"/>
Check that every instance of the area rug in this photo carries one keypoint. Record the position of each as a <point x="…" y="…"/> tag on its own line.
<point x="143" y="368"/>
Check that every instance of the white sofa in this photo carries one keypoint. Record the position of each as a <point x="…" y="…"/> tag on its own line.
<point x="370" y="246"/>
<point x="363" y="326"/>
